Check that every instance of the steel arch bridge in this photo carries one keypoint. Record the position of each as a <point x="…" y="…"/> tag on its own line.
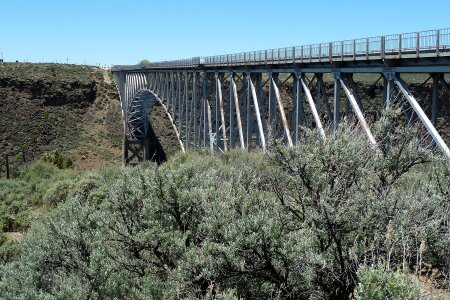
<point x="226" y="101"/>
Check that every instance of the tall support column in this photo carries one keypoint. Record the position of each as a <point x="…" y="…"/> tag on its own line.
<point x="318" y="90"/>
<point x="422" y="116"/>
<point x="325" y="100"/>
<point x="172" y="94"/>
<point x="186" y="112"/>
<point x="243" y="105"/>
<point x="272" y="110"/>
<point x="136" y="148"/>
<point x="261" y="102"/>
<point x="166" y="88"/>
<point x="254" y="132"/>
<point x="312" y="106"/>
<point x="337" y="92"/>
<point x="153" y="81"/>
<point x="209" y="117"/>
<point x="160" y="80"/>
<point x="247" y="116"/>
<point x="296" y="98"/>
<point x="161" y="85"/>
<point x="388" y="79"/>
<point x="261" y="134"/>
<point x="347" y="107"/>
<point x="180" y="103"/>
<point x="222" y="114"/>
<point x="150" y="77"/>
<point x="357" y="110"/>
<point x="191" y="110"/>
<point x="354" y="87"/>
<point x="205" y="109"/>
<point x="146" y="148"/>
<point x="231" y="130"/>
<point x="444" y="83"/>
<point x="200" y="110"/>
<point x="169" y="91"/>
<point x="174" y="97"/>
<point x="283" y="115"/>
<point x="124" y="151"/>
<point x="195" y="104"/>
<point x="238" y="113"/>
<point x="385" y="96"/>
<point x="216" y="119"/>
<point x="434" y="99"/>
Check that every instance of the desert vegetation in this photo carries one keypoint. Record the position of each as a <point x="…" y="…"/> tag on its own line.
<point x="328" y="219"/>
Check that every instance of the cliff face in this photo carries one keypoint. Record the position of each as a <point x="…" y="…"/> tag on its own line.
<point x="46" y="107"/>
<point x="53" y="92"/>
<point x="72" y="109"/>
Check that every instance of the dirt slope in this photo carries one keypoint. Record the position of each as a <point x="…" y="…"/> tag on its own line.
<point x="72" y="109"/>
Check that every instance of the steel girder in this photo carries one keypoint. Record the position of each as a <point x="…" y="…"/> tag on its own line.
<point x="223" y="109"/>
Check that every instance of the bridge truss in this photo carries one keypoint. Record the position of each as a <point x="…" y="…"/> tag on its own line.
<point x="240" y="100"/>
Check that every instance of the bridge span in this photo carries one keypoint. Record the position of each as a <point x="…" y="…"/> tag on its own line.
<point x="239" y="100"/>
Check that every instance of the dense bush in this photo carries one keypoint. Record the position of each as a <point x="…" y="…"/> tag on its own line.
<point x="294" y="224"/>
<point x="377" y="284"/>
<point x="9" y="250"/>
<point x="38" y="187"/>
<point x="61" y="161"/>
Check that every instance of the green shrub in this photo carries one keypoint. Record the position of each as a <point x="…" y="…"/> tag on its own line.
<point x="14" y="205"/>
<point x="9" y="250"/>
<point x="378" y="284"/>
<point x="36" y="184"/>
<point x="58" y="160"/>
<point x="292" y="224"/>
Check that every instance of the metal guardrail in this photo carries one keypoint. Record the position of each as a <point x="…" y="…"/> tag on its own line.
<point x="430" y="43"/>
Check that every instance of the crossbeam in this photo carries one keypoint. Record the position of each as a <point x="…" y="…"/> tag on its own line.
<point x="238" y="100"/>
<point x="423" y="117"/>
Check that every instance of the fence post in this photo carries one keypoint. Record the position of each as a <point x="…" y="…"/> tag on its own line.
<point x="354" y="49"/>
<point x="320" y="52"/>
<point x="367" y="48"/>
<point x="293" y="55"/>
<point x="301" y="56"/>
<point x="330" y="51"/>
<point x="437" y="42"/>
<point x="7" y="166"/>
<point x="417" y="43"/>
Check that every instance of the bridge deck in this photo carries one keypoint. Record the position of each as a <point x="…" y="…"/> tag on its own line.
<point x="408" y="48"/>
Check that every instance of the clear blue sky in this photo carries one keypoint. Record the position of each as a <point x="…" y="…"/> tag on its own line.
<point x="111" y="32"/>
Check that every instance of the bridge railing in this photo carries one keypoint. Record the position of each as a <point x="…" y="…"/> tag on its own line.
<point x="414" y="44"/>
<point x="430" y="42"/>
